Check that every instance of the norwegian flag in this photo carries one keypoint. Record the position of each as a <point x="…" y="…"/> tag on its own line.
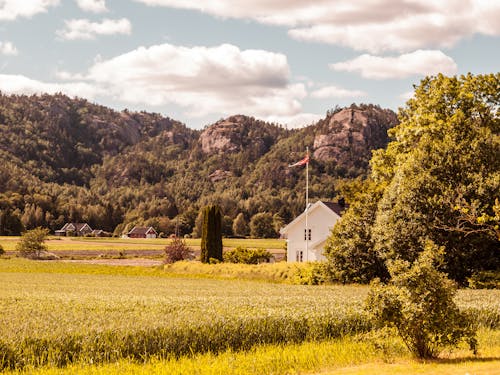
<point x="301" y="162"/>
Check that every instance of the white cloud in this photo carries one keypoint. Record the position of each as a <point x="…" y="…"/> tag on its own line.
<point x="336" y="92"/>
<point x="203" y="80"/>
<point x="219" y="80"/>
<point x="19" y="84"/>
<point x="8" y="49"/>
<point x="296" y="121"/>
<point x="85" y="29"/>
<point x="12" y="9"/>
<point x="364" y="25"/>
<point x="95" y="6"/>
<point x="407" y="95"/>
<point x="415" y="63"/>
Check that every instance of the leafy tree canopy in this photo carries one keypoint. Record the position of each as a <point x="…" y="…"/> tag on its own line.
<point x="438" y="179"/>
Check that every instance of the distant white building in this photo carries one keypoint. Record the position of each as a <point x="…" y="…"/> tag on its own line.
<point x="305" y="245"/>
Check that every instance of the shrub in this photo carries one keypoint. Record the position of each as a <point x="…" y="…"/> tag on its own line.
<point x="418" y="302"/>
<point x="306" y="273"/>
<point x="247" y="256"/>
<point x="311" y="273"/>
<point x="32" y="244"/>
<point x="2" y="251"/>
<point x="485" y="280"/>
<point x="177" y="250"/>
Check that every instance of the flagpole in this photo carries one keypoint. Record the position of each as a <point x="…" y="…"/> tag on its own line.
<point x="307" y="204"/>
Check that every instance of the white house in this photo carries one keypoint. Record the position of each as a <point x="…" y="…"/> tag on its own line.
<point x="74" y="229"/>
<point x="305" y="245"/>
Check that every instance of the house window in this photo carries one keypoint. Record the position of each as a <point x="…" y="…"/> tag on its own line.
<point x="306" y="236"/>
<point x="299" y="256"/>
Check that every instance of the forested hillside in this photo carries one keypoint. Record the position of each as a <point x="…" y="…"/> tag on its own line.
<point x="67" y="159"/>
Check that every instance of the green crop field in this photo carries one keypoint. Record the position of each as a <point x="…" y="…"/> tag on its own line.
<point x="57" y="314"/>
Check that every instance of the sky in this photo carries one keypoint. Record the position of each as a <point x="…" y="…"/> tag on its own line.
<point x="285" y="61"/>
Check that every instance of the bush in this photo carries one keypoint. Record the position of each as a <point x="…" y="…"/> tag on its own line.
<point x="2" y="251"/>
<point x="247" y="256"/>
<point x="306" y="273"/>
<point x="177" y="250"/>
<point x="418" y="302"/>
<point x="485" y="280"/>
<point x="311" y="273"/>
<point x="32" y="244"/>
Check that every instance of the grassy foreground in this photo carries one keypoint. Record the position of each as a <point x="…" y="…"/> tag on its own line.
<point x="59" y="314"/>
<point x="349" y="355"/>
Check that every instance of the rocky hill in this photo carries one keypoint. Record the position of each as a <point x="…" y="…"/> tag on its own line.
<point x="68" y="159"/>
<point x="239" y="134"/>
<point x="349" y="135"/>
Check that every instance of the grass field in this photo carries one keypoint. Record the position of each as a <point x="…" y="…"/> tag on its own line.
<point x="82" y="244"/>
<point x="347" y="355"/>
<point x="56" y="314"/>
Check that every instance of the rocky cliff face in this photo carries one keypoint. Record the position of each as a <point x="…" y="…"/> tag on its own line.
<point x="223" y="136"/>
<point x="349" y="135"/>
<point x="239" y="134"/>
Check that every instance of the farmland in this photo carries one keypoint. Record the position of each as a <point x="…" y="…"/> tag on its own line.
<point x="82" y="247"/>
<point x="56" y="314"/>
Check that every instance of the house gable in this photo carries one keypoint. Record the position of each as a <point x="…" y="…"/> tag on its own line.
<point x="151" y="230"/>
<point x="142" y="232"/>
<point x="78" y="228"/>
<point x="318" y="206"/>
<point x="307" y="243"/>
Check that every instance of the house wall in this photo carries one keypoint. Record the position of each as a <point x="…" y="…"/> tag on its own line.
<point x="320" y="220"/>
<point x="84" y="231"/>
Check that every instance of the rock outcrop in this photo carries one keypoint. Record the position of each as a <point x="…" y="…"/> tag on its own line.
<point x="223" y="136"/>
<point x="239" y="134"/>
<point x="349" y="135"/>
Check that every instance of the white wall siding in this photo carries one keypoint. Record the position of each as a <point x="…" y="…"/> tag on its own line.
<point x="320" y="220"/>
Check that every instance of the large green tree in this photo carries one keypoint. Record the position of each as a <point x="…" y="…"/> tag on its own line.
<point x="211" y="236"/>
<point x="262" y="225"/>
<point x="446" y="150"/>
<point x="240" y="226"/>
<point x="32" y="243"/>
<point x="10" y="223"/>
<point x="442" y="164"/>
<point x="350" y="250"/>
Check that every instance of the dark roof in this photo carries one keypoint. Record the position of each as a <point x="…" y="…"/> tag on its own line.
<point x="338" y="208"/>
<point x="141" y="230"/>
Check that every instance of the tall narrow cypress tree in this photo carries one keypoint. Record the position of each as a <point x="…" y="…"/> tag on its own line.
<point x="211" y="236"/>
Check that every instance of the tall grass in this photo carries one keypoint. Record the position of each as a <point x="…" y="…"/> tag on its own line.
<point x="351" y="355"/>
<point x="58" y="314"/>
<point x="291" y="273"/>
